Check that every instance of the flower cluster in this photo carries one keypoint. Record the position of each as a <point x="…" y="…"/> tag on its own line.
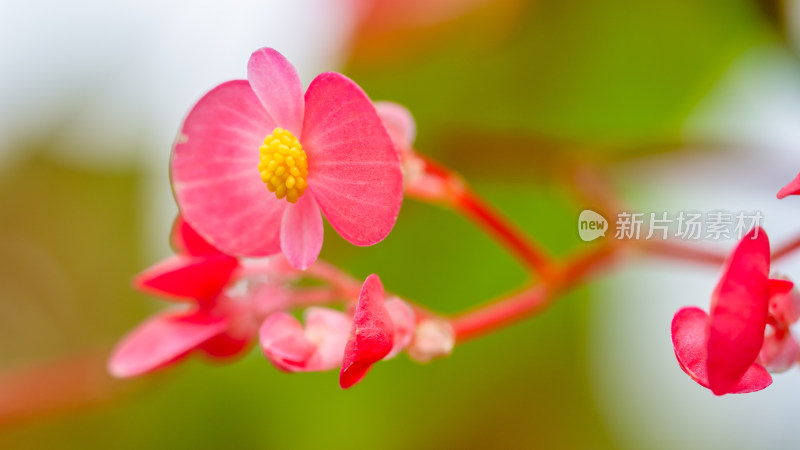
<point x="256" y="166"/>
<point x="747" y="334"/>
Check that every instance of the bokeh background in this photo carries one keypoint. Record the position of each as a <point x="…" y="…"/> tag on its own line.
<point x="683" y="104"/>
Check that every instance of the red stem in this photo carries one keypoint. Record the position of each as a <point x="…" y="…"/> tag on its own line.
<point x="530" y="301"/>
<point x="675" y="250"/>
<point x="530" y="254"/>
<point x="786" y="249"/>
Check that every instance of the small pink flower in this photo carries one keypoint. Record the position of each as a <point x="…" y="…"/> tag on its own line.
<point x="317" y="347"/>
<point x="793" y="188"/>
<point x="328" y="336"/>
<point x="720" y="351"/>
<point x="216" y="324"/>
<point x="256" y="161"/>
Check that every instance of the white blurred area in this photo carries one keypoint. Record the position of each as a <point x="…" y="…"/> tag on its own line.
<point x="640" y="389"/>
<point x="107" y="84"/>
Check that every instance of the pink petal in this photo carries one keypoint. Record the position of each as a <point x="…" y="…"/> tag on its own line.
<point x="371" y="336"/>
<point x="353" y="168"/>
<point x="739" y="313"/>
<point x="793" y="188"/>
<point x="689" y="338"/>
<point x="403" y="320"/>
<point x="187" y="241"/>
<point x="780" y="351"/>
<point x="187" y="277"/>
<point x="161" y="341"/>
<point x="317" y="348"/>
<point x="284" y="342"/>
<point x="399" y="124"/>
<point x="276" y="84"/>
<point x="301" y="232"/>
<point x="328" y="329"/>
<point x="784" y="303"/>
<point x="215" y="174"/>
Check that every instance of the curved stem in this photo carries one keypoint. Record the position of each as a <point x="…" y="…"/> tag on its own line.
<point x="532" y="300"/>
<point x="534" y="258"/>
<point x="786" y="249"/>
<point x="675" y="250"/>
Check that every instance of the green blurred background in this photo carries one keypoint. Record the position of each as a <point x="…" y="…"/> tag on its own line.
<point x="510" y="93"/>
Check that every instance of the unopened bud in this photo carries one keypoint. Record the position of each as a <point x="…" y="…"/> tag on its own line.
<point x="433" y="338"/>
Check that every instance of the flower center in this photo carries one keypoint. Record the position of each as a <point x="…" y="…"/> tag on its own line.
<point x="283" y="165"/>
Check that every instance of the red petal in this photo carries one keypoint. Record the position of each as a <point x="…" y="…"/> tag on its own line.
<point x="689" y="338"/>
<point x="161" y="341"/>
<point x="187" y="241"/>
<point x="739" y="313"/>
<point x="186" y="277"/>
<point x="371" y="336"/>
<point x="793" y="188"/>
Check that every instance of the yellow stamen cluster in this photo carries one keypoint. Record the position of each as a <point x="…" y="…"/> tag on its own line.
<point x="283" y="165"/>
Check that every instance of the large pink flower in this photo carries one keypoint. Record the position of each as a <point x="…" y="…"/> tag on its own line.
<point x="256" y="161"/>
<point x="719" y="351"/>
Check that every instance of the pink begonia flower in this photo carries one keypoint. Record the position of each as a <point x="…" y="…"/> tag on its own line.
<point x="256" y="161"/>
<point x="320" y="344"/>
<point x="720" y="351"/>
<point x="421" y="177"/>
<point x="216" y="325"/>
<point x="793" y="188"/>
